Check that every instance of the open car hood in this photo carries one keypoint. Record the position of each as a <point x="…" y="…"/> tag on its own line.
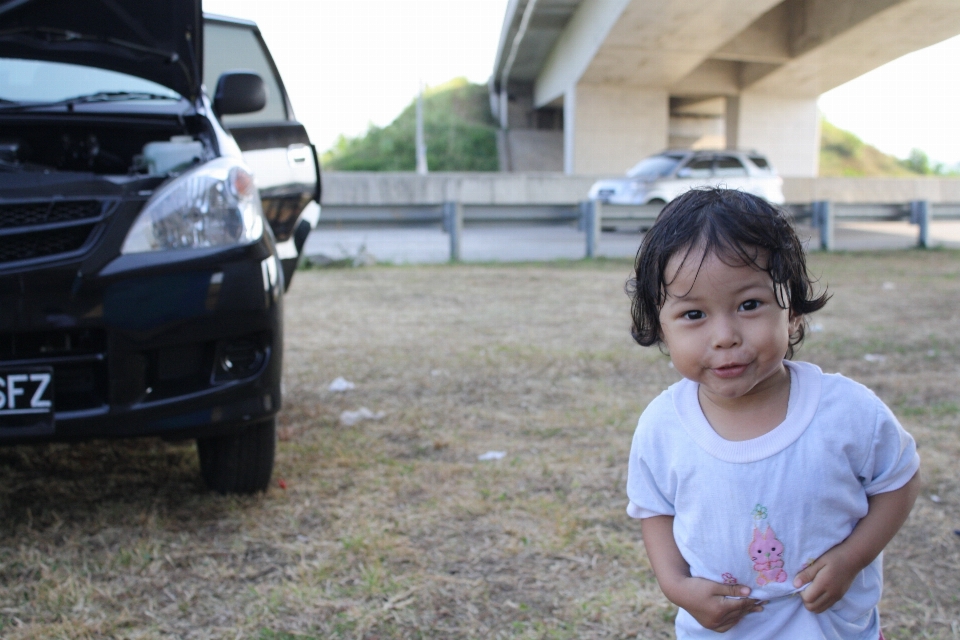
<point x="159" y="40"/>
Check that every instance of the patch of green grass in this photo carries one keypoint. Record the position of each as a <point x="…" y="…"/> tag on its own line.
<point x="375" y="580"/>
<point x="539" y="630"/>
<point x="269" y="634"/>
<point x="354" y="544"/>
<point x="935" y="410"/>
<point x="669" y="614"/>
<point x="547" y="433"/>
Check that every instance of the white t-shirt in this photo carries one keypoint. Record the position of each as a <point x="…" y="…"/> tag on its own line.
<point x="755" y="512"/>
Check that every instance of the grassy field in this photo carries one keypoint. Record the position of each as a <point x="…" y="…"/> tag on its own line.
<point x="392" y="528"/>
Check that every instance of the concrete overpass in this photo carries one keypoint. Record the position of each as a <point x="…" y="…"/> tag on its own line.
<point x="592" y="86"/>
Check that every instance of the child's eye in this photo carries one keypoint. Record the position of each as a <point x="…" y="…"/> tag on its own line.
<point x="693" y="315"/>
<point x="750" y="305"/>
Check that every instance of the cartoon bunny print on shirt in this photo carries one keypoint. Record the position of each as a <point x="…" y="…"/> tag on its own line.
<point x="766" y="551"/>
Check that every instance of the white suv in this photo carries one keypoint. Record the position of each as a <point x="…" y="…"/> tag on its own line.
<point x="663" y="177"/>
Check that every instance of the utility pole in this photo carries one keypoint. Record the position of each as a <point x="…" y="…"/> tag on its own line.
<point x="421" y="145"/>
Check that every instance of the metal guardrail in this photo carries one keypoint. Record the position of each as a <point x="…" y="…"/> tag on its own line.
<point x="823" y="215"/>
<point x="592" y="216"/>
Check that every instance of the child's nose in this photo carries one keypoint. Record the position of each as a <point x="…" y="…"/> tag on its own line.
<point x="726" y="333"/>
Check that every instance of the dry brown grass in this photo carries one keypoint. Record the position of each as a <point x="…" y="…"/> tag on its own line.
<point x="394" y="529"/>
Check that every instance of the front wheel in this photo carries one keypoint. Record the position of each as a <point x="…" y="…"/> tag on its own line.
<point x="241" y="462"/>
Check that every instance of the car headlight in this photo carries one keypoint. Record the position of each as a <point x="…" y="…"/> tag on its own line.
<point x="213" y="205"/>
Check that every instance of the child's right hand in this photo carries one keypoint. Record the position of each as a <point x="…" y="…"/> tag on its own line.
<point x="718" y="607"/>
<point x="714" y="605"/>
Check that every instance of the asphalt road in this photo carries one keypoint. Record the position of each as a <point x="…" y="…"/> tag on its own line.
<point x="518" y="244"/>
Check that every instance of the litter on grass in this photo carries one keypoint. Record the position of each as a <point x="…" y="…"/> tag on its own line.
<point x="873" y="357"/>
<point x="340" y="384"/>
<point x="491" y="455"/>
<point x="350" y="418"/>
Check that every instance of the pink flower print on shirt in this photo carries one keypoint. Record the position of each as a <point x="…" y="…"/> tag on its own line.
<point x="729" y="578"/>
<point x="767" y="555"/>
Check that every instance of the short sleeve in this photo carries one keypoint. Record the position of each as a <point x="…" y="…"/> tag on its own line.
<point x="646" y="497"/>
<point x="892" y="459"/>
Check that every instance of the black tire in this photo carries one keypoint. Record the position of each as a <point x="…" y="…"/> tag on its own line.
<point x="241" y="462"/>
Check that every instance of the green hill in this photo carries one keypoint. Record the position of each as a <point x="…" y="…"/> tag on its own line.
<point x="842" y="154"/>
<point x="460" y="134"/>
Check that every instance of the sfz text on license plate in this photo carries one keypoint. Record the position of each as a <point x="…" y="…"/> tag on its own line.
<point x="26" y="399"/>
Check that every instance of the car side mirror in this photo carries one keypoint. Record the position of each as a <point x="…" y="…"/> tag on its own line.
<point x="239" y="92"/>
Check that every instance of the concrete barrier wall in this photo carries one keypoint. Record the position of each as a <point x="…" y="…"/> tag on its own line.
<point x="382" y="188"/>
<point x="871" y="190"/>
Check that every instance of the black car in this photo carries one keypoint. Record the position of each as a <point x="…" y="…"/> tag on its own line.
<point x="148" y="229"/>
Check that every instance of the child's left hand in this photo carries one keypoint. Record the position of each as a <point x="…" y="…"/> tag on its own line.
<point x="829" y="576"/>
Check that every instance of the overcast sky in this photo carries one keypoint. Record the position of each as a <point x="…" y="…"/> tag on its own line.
<point x="350" y="63"/>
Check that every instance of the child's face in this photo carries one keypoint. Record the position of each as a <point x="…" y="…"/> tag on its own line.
<point x="723" y="327"/>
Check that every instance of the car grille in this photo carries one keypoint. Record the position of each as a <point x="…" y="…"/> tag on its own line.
<point x="26" y="214"/>
<point x="27" y="246"/>
<point x="35" y="230"/>
<point x="78" y="358"/>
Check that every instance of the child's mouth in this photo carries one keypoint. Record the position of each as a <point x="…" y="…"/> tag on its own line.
<point x="729" y="370"/>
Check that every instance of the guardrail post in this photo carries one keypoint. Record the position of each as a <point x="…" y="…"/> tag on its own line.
<point x="592" y="212"/>
<point x="582" y="211"/>
<point x="453" y="225"/>
<point x="823" y="219"/>
<point x="920" y="216"/>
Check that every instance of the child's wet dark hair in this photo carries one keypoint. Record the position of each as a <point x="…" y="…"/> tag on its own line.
<point x="740" y="229"/>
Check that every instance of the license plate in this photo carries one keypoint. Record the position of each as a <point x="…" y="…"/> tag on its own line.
<point x="26" y="400"/>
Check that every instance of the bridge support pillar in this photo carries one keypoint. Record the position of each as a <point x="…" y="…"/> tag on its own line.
<point x="786" y="130"/>
<point x="608" y="128"/>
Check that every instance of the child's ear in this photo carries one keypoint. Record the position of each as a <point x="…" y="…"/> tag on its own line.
<point x="795" y="322"/>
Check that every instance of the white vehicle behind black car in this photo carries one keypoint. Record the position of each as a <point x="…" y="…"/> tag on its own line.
<point x="661" y="178"/>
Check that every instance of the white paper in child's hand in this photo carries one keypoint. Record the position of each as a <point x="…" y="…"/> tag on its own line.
<point x="788" y="594"/>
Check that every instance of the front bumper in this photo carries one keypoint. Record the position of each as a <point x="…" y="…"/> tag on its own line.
<point x="616" y="192"/>
<point x="176" y="344"/>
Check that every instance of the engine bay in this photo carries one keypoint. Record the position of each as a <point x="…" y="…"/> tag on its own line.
<point x="102" y="146"/>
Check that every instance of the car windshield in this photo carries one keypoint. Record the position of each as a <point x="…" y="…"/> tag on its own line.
<point x="654" y="167"/>
<point x="39" y="81"/>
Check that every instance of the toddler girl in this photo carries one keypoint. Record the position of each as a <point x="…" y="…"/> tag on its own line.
<point x="766" y="488"/>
